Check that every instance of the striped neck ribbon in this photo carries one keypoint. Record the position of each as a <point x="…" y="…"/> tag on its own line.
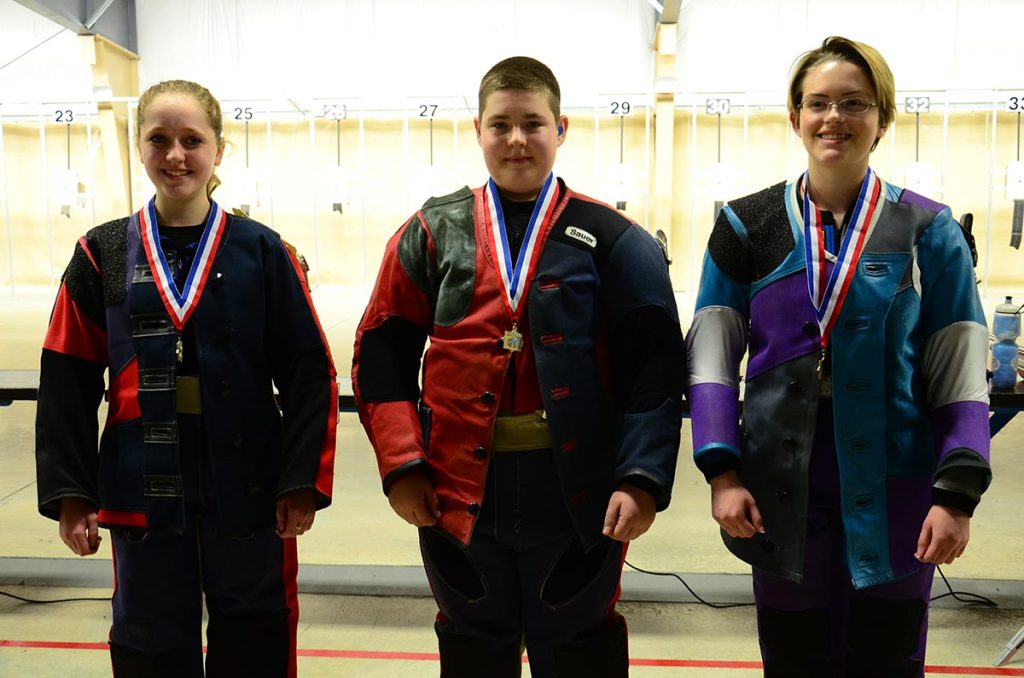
<point x="515" y="275"/>
<point x="181" y="303"/>
<point x="828" y="290"/>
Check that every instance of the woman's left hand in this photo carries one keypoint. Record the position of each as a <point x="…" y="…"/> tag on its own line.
<point x="944" y="535"/>
<point x="295" y="513"/>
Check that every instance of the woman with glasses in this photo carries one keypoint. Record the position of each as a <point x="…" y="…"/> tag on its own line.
<point x="863" y="445"/>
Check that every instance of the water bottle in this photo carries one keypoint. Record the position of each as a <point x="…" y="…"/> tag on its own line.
<point x="1006" y="328"/>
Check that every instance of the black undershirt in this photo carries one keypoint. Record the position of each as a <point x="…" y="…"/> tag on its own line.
<point x="517" y="218"/>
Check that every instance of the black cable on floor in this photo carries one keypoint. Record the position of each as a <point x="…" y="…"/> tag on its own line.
<point x="717" y="606"/>
<point x="974" y="598"/>
<point x="58" y="600"/>
<point x="965" y="597"/>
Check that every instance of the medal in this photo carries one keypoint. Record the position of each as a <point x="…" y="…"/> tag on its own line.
<point x="512" y="340"/>
<point x="179" y="349"/>
<point x="825" y="380"/>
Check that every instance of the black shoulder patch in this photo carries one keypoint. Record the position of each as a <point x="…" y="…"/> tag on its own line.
<point x="767" y="225"/>
<point x="108" y="244"/>
<point x="415" y="259"/>
<point x="752" y="208"/>
<point x="729" y="252"/>
<point x="450" y="221"/>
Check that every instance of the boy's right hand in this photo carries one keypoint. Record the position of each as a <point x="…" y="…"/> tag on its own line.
<point x="78" y="526"/>
<point x="733" y="507"/>
<point x="413" y="498"/>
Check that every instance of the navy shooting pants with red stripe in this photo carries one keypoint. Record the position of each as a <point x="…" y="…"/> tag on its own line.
<point x="249" y="586"/>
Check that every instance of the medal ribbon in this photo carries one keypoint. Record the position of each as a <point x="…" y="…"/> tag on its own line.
<point x="181" y="303"/>
<point x="828" y="292"/>
<point x="515" y="276"/>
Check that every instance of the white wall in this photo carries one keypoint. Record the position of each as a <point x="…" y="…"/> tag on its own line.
<point x="394" y="48"/>
<point x="391" y="48"/>
<point x="750" y="45"/>
<point x="54" y="71"/>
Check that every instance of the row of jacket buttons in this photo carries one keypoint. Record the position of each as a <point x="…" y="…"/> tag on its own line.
<point x="487" y="398"/>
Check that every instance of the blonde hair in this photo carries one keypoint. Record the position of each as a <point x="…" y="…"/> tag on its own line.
<point x="206" y="100"/>
<point x="521" y="72"/>
<point x="865" y="57"/>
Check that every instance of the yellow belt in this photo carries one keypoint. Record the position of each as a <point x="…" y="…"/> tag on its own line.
<point x="186" y="391"/>
<point x="519" y="432"/>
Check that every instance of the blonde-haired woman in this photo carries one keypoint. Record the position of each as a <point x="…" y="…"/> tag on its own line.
<point x="195" y="314"/>
<point x="863" y="447"/>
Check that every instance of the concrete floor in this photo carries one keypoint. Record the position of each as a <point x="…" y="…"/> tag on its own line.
<point x="359" y="540"/>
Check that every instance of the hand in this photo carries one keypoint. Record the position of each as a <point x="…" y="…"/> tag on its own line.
<point x="944" y="535"/>
<point x="630" y="513"/>
<point x="78" y="527"/>
<point x="733" y="507"/>
<point x="413" y="498"/>
<point x="295" y="513"/>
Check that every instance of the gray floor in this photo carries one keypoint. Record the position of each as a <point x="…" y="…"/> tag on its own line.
<point x="359" y="547"/>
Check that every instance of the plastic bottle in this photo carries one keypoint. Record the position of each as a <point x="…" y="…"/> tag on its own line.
<point x="1006" y="328"/>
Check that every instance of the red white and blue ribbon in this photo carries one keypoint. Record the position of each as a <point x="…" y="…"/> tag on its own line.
<point x="181" y="303"/>
<point x="515" y="276"/>
<point x="828" y="291"/>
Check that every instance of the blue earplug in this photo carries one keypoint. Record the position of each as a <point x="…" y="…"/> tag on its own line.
<point x="559" y="130"/>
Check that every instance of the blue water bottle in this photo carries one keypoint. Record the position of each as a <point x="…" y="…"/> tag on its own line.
<point x="1006" y="328"/>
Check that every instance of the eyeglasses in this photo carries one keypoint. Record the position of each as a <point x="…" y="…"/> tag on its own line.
<point x="852" y="106"/>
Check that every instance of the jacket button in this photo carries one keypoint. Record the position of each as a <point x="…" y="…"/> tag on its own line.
<point x="238" y="440"/>
<point x="783" y="496"/>
<point x="487" y="398"/>
<point x="809" y="328"/>
<point x="224" y="389"/>
<point x="473" y="508"/>
<point x="794" y="387"/>
<point x="480" y="453"/>
<point x="789" y="444"/>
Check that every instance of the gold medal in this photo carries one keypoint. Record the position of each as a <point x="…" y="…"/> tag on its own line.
<point x="179" y="350"/>
<point x="512" y="340"/>
<point x="824" y="380"/>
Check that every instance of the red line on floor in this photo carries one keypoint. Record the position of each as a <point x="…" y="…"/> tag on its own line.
<point x="53" y="645"/>
<point x="370" y="654"/>
<point x="432" y="656"/>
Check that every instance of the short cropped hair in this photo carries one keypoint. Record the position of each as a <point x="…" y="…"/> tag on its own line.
<point x="521" y="72"/>
<point x="865" y="57"/>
